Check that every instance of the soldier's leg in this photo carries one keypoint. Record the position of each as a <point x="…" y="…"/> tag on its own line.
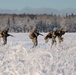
<point x="4" y="40"/>
<point x="60" y="39"/>
<point x="35" y="42"/>
<point x="53" y="40"/>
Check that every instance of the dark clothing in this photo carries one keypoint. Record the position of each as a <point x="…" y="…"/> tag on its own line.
<point x="5" y="35"/>
<point x="34" y="36"/>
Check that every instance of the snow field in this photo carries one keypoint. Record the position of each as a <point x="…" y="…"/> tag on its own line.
<point x="19" y="58"/>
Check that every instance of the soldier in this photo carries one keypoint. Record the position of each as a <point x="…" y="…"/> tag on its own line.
<point x="61" y="32"/>
<point x="4" y="34"/>
<point x="55" y="33"/>
<point x="52" y="36"/>
<point x="33" y="35"/>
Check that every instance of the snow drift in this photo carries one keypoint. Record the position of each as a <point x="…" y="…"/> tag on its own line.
<point x="19" y="58"/>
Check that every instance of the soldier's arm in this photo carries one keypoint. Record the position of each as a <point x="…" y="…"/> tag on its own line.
<point x="10" y="35"/>
<point x="41" y="34"/>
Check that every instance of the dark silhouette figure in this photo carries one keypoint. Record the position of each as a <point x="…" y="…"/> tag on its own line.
<point x="53" y="34"/>
<point x="4" y="34"/>
<point x="59" y="34"/>
<point x="34" y="35"/>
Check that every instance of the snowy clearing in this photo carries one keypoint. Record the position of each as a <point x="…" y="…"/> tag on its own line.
<point x="19" y="58"/>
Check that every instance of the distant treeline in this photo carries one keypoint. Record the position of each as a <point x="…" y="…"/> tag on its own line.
<point x="41" y="22"/>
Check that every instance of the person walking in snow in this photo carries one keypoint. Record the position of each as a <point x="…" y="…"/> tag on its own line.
<point x="33" y="36"/>
<point x="53" y="34"/>
<point x="4" y="34"/>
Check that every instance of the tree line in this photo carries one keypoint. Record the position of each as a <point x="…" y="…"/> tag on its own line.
<point x="41" y="22"/>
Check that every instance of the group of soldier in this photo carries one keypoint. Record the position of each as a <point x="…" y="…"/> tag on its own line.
<point x="34" y="35"/>
<point x="51" y="35"/>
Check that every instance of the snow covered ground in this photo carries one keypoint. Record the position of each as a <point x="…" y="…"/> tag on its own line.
<point x="19" y="58"/>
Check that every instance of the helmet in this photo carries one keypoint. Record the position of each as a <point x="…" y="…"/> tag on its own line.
<point x="54" y="29"/>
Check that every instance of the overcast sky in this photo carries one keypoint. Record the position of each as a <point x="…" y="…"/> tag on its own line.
<point x="20" y="4"/>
